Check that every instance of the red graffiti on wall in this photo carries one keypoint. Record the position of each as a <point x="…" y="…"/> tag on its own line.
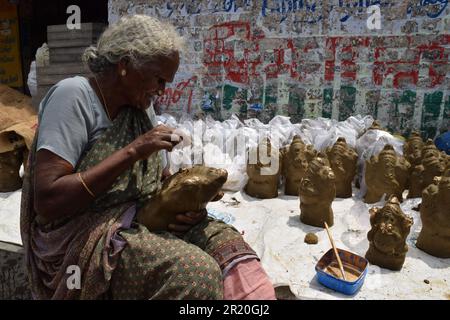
<point x="173" y="95"/>
<point x="438" y="57"/>
<point x="232" y="51"/>
<point x="219" y="51"/>
<point x="350" y="51"/>
<point x="344" y="52"/>
<point x="408" y="69"/>
<point x="403" y="69"/>
<point x="279" y="65"/>
<point x="330" y="63"/>
<point x="221" y="58"/>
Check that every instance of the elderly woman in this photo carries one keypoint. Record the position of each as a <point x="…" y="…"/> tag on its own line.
<point x="95" y="160"/>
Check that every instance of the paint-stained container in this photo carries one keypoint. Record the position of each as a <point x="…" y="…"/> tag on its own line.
<point x="329" y="274"/>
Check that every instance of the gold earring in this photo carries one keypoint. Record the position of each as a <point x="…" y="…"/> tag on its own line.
<point x="160" y="92"/>
<point x="124" y="73"/>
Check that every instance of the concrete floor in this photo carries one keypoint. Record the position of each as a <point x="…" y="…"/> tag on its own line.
<point x="13" y="279"/>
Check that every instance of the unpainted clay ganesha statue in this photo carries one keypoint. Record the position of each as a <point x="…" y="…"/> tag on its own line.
<point x="263" y="172"/>
<point x="387" y="237"/>
<point x="317" y="191"/>
<point x="343" y="162"/>
<point x="412" y="149"/>
<point x="432" y="164"/>
<point x="294" y="166"/>
<point x="434" y="238"/>
<point x="386" y="173"/>
<point x="187" y="190"/>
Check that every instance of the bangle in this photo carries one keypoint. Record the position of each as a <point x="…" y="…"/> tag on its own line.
<point x="85" y="185"/>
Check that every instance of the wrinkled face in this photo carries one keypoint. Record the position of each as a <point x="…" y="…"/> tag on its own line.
<point x="144" y="82"/>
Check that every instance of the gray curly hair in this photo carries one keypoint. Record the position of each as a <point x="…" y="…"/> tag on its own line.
<point x="139" y="38"/>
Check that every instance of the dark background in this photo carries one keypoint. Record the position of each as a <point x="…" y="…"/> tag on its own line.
<point x="36" y="15"/>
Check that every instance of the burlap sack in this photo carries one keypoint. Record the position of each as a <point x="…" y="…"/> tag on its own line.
<point x="18" y="135"/>
<point x="18" y="122"/>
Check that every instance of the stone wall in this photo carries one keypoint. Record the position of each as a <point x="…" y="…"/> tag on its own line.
<point x="309" y="58"/>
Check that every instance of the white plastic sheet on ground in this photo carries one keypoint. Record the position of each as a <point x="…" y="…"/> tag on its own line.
<point x="10" y="217"/>
<point x="273" y="228"/>
<point x="289" y="261"/>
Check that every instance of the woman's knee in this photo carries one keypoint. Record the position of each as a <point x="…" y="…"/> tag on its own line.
<point x="199" y="275"/>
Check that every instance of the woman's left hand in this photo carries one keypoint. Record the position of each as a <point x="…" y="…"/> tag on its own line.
<point x="186" y="221"/>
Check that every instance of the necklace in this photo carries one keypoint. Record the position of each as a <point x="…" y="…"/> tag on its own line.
<point x="103" y="98"/>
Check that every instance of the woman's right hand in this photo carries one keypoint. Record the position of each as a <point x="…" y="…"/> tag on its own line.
<point x="159" y="138"/>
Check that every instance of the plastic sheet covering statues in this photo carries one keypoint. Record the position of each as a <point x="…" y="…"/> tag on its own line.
<point x="343" y="162"/>
<point x="317" y="191"/>
<point x="386" y="173"/>
<point x="434" y="238"/>
<point x="387" y="238"/>
<point x="263" y="171"/>
<point x="187" y="190"/>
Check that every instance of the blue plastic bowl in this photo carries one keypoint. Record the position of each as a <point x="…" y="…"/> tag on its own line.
<point x="328" y="280"/>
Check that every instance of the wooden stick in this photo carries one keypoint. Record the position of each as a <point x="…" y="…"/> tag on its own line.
<point x="335" y="252"/>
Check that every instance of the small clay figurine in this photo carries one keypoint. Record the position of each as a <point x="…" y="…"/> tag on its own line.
<point x="263" y="177"/>
<point x="432" y="165"/>
<point x="294" y="166"/>
<point x="187" y="190"/>
<point x="317" y="191"/>
<point x="386" y="173"/>
<point x="387" y="237"/>
<point x="343" y="162"/>
<point x="412" y="149"/>
<point x="434" y="238"/>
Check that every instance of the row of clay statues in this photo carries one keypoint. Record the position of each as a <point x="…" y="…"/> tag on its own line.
<point x="191" y="190"/>
<point x="294" y="162"/>
<point x="387" y="173"/>
<point x="391" y="174"/>
<point x="315" y="177"/>
<point x="318" y="178"/>
<point x="390" y="227"/>
<point x="426" y="163"/>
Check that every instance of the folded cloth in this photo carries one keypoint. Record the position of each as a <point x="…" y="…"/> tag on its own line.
<point x="247" y="280"/>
